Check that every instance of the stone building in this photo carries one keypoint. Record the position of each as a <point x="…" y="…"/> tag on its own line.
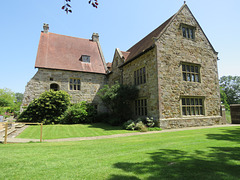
<point x="175" y="69"/>
<point x="72" y="64"/>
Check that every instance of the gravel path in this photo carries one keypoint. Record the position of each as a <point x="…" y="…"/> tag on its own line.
<point x="19" y="140"/>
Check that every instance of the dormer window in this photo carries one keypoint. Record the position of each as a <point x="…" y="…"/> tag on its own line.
<point x="85" y="58"/>
<point x="188" y="31"/>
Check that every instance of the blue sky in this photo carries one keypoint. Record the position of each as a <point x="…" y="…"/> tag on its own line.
<point x="120" y="24"/>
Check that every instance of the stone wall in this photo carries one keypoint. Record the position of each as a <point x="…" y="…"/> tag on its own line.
<point x="90" y="85"/>
<point x="172" y="123"/>
<point x="116" y="72"/>
<point x="172" y="50"/>
<point x="149" y="89"/>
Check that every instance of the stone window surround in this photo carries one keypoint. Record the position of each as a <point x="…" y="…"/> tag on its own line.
<point x="188" y="27"/>
<point x="139" y="78"/>
<point x="192" y="106"/>
<point x="140" y="107"/>
<point x="74" y="86"/>
<point x="191" y="73"/>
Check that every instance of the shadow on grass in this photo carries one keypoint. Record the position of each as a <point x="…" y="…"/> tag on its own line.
<point x="105" y="127"/>
<point x="227" y="135"/>
<point x="176" y="164"/>
<point x="214" y="163"/>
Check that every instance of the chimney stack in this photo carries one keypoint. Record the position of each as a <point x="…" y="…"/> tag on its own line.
<point x="45" y="27"/>
<point x="95" y="37"/>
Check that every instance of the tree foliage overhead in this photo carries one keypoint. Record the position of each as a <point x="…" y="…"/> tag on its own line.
<point x="67" y="7"/>
<point x="118" y="98"/>
<point x="231" y="86"/>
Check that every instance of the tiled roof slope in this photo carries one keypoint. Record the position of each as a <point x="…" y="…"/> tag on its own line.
<point x="146" y="42"/>
<point x="109" y="66"/>
<point x="125" y="54"/>
<point x="63" y="52"/>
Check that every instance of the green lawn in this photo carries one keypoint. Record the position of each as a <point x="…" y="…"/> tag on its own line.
<point x="68" y="131"/>
<point x="193" y="154"/>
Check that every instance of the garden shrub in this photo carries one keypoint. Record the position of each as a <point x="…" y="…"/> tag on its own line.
<point x="141" y="127"/>
<point x="117" y="99"/>
<point x="142" y="124"/>
<point x="129" y="125"/>
<point x="114" y="120"/>
<point x="102" y="117"/>
<point x="150" y="122"/>
<point x="79" y="113"/>
<point x="47" y="108"/>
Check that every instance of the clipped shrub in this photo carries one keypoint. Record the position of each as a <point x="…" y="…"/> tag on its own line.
<point x="47" y="108"/>
<point x="79" y="113"/>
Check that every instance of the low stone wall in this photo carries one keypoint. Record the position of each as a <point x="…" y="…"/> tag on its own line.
<point x="235" y="113"/>
<point x="191" y="122"/>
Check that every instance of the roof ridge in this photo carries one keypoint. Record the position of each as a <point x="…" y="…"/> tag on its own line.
<point x="69" y="36"/>
<point x="146" y="42"/>
<point x="150" y="33"/>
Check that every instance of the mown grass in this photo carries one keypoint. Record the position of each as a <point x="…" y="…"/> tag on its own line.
<point x="193" y="154"/>
<point x="69" y="131"/>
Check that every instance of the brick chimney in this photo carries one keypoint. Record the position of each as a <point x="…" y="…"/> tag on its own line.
<point x="45" y="27"/>
<point x="95" y="37"/>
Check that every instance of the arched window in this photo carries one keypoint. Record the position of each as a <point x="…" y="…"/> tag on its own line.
<point x="54" y="87"/>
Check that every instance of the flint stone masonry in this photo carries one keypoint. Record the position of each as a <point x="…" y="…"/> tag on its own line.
<point x="90" y="85"/>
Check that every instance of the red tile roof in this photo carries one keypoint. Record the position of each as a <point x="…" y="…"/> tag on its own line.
<point x="146" y="42"/>
<point x="109" y="65"/>
<point x="125" y="54"/>
<point x="63" y="52"/>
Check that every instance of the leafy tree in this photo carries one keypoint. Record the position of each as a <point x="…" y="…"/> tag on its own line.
<point x="10" y="102"/>
<point x="224" y="99"/>
<point x="118" y="98"/>
<point x="231" y="86"/>
<point x="47" y="108"/>
<point x="19" y="97"/>
<point x="7" y="98"/>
